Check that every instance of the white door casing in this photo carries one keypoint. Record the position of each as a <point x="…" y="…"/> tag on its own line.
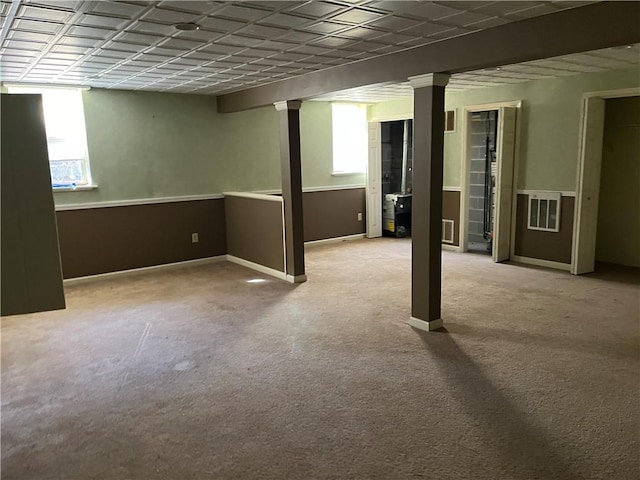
<point x="588" y="189"/>
<point x="504" y="183"/>
<point x="374" y="182"/>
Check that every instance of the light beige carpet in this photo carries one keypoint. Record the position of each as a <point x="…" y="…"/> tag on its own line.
<point x="197" y="373"/>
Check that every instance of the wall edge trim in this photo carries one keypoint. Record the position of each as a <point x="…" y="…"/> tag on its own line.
<point x="345" y="238"/>
<point x="254" y="196"/>
<point x="327" y="188"/>
<point x="141" y="270"/>
<point x="451" y="248"/>
<point x="529" y="191"/>
<point x="451" y="189"/>
<point x="541" y="263"/>
<point x="257" y="267"/>
<point x="137" y="201"/>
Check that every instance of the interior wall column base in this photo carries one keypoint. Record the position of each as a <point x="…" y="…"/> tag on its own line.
<point x="426" y="326"/>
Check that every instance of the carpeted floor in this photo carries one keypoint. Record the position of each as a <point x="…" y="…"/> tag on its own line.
<point x="199" y="373"/>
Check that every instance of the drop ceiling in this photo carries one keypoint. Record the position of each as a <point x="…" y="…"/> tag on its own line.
<point x="134" y="45"/>
<point x="627" y="56"/>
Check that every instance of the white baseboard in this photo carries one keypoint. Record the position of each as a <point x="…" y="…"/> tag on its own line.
<point x="258" y="268"/>
<point x="541" y="263"/>
<point x="325" y="241"/>
<point x="137" y="271"/>
<point x="450" y="248"/>
<point x="424" y="325"/>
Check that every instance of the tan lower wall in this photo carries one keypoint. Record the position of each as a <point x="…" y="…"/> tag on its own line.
<point x="101" y="240"/>
<point x="553" y="246"/>
<point x="255" y="231"/>
<point x="451" y="211"/>
<point x="333" y="213"/>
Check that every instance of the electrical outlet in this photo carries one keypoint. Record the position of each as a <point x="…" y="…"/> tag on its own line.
<point x="359" y="216"/>
<point x="194" y="238"/>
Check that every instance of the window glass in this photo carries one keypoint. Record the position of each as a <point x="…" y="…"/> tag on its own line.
<point x="66" y="137"/>
<point x="349" y="138"/>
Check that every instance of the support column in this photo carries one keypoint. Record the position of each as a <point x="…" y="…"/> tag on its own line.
<point x="426" y="216"/>
<point x="291" y="171"/>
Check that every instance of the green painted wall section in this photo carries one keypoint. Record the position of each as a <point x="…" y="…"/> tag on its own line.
<point x="316" y="144"/>
<point x="146" y="145"/>
<point x="149" y="145"/>
<point x="618" y="234"/>
<point x="550" y="122"/>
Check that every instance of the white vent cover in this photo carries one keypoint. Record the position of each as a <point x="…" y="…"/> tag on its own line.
<point x="447" y="231"/>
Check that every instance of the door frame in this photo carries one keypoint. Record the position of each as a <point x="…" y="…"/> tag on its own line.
<point x="584" y="230"/>
<point x="465" y="168"/>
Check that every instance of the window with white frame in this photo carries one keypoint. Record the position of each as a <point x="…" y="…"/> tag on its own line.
<point x="350" y="138"/>
<point x="66" y="134"/>
<point x="544" y="211"/>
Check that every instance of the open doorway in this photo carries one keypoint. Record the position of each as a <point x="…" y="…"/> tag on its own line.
<point x="482" y="181"/>
<point x="592" y="231"/>
<point x="488" y="176"/>
<point x="397" y="177"/>
<point x="607" y="195"/>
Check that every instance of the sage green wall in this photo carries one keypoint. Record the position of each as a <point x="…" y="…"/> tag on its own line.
<point x="549" y="129"/>
<point x="254" y="149"/>
<point x="316" y="143"/>
<point x="618" y="234"/>
<point x="146" y="145"/>
<point x="149" y="145"/>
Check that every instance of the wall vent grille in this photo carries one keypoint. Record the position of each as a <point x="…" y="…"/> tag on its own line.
<point x="447" y="231"/>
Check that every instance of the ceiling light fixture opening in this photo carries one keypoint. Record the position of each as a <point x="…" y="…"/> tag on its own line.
<point x="187" y="27"/>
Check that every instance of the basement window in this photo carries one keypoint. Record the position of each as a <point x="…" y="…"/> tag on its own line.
<point x="66" y="135"/>
<point x="350" y="138"/>
<point x="544" y="211"/>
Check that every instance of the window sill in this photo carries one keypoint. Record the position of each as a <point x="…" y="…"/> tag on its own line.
<point x="344" y="174"/>
<point x="74" y="189"/>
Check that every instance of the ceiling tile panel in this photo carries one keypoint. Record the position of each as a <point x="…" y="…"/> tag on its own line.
<point x="37" y="26"/>
<point x="45" y="14"/>
<point x="203" y="36"/>
<point x="362" y="33"/>
<point x="90" y="32"/>
<point x="262" y="31"/>
<point x="151" y="28"/>
<point x="20" y="45"/>
<point x="284" y="20"/>
<point x="178" y="44"/>
<point x="123" y="9"/>
<point x="393" y="23"/>
<point x="30" y="36"/>
<point x="357" y="16"/>
<point x="138" y="38"/>
<point x="238" y="12"/>
<point x="318" y="9"/>
<point x="325" y="27"/>
<point x="431" y="11"/>
<point x="79" y="41"/>
<point x="221" y="24"/>
<point x="124" y="46"/>
<point x="102" y="21"/>
<point x="170" y="16"/>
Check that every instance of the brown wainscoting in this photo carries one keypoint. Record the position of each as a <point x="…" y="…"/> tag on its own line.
<point x="334" y="213"/>
<point x="110" y="239"/>
<point x="254" y="230"/>
<point x="553" y="246"/>
<point x="451" y="211"/>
